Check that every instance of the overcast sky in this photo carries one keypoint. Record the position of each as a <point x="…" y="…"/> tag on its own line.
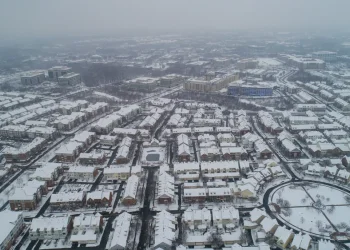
<point x="96" y="17"/>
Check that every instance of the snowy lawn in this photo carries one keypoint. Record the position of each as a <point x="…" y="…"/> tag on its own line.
<point x="328" y="195"/>
<point x="308" y="219"/>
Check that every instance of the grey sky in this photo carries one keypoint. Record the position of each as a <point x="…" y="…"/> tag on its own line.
<point x="90" y="17"/>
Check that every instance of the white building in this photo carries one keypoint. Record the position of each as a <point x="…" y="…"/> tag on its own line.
<point x="86" y="228"/>
<point x="225" y="217"/>
<point x="198" y="219"/>
<point x="187" y="171"/>
<point x="82" y="173"/>
<point x="50" y="228"/>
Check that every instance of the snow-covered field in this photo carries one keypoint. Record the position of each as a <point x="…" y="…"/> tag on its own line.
<point x="328" y="196"/>
<point x="294" y="196"/>
<point x="308" y="219"/>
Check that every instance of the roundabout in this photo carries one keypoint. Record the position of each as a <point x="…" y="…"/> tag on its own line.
<point x="317" y="208"/>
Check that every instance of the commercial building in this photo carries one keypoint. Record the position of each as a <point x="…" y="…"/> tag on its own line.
<point x="327" y="56"/>
<point x="247" y="64"/>
<point x="70" y="79"/>
<point x="33" y="78"/>
<point x="58" y="71"/>
<point x="303" y="62"/>
<point x="209" y="84"/>
<point x="249" y="90"/>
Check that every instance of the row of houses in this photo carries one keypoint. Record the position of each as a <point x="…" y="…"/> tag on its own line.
<point x="283" y="237"/>
<point x="70" y="151"/>
<point x="106" y="124"/>
<point x="25" y="131"/>
<point x="268" y="123"/>
<point x="75" y="200"/>
<point x="26" y="151"/>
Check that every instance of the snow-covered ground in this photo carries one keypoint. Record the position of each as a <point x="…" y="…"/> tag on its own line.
<point x="308" y="219"/>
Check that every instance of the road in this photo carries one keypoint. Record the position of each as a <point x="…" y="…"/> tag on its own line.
<point x="146" y="212"/>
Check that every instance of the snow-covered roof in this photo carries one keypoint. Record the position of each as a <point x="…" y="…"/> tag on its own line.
<point x="164" y="228"/>
<point x="67" y="197"/>
<point x="186" y="166"/>
<point x="81" y="169"/>
<point x="165" y="185"/>
<point x="256" y="214"/>
<point x="192" y="215"/>
<point x="268" y="223"/>
<point x="98" y="195"/>
<point x="131" y="187"/>
<point x="86" y="220"/>
<point x="229" y="213"/>
<point x="220" y="165"/>
<point x="48" y="223"/>
<point x="8" y="220"/>
<point x="195" y="192"/>
<point x="325" y="245"/>
<point x="283" y="234"/>
<point x="121" y="230"/>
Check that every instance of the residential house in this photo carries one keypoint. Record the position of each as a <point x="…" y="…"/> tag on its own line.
<point x="86" y="228"/>
<point x="121" y="231"/>
<point x="283" y="237"/>
<point x="67" y="201"/>
<point x="50" y="228"/>
<point x="82" y="173"/>
<point x="108" y="140"/>
<point x="69" y="152"/>
<point x="225" y="217"/>
<point x="130" y="193"/>
<point x="188" y="171"/>
<point x="197" y="219"/>
<point x="194" y="195"/>
<point x="164" y="230"/>
<point x="93" y="158"/>
<point x="28" y="196"/>
<point x="165" y="188"/>
<point x="48" y="172"/>
<point x="114" y="173"/>
<point x="99" y="199"/>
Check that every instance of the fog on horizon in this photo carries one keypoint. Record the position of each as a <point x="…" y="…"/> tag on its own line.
<point x="89" y="17"/>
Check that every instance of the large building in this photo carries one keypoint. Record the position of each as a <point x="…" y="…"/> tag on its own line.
<point x="58" y="71"/>
<point x="70" y="79"/>
<point x="247" y="64"/>
<point x="210" y="83"/>
<point x="144" y="83"/>
<point x="327" y="56"/>
<point x="303" y="62"/>
<point x="12" y="225"/>
<point x="33" y="78"/>
<point x="249" y="90"/>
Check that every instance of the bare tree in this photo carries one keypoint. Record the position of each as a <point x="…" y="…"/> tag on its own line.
<point x="319" y="224"/>
<point x="302" y="220"/>
<point x="216" y="240"/>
